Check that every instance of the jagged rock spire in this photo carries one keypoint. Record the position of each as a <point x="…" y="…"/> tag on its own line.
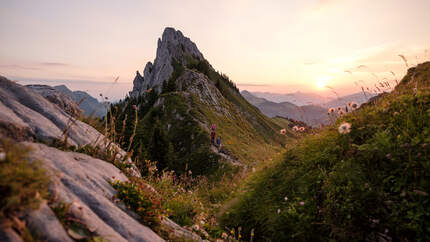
<point x="138" y="83"/>
<point x="173" y="44"/>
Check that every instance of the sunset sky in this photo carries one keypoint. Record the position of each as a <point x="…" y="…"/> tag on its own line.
<point x="277" y="46"/>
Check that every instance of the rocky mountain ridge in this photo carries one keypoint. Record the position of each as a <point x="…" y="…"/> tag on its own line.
<point x="179" y="98"/>
<point x="173" y="44"/>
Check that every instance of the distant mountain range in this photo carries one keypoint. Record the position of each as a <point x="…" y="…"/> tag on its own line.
<point x="307" y="107"/>
<point x="297" y="98"/>
<point x="302" y="99"/>
<point x="89" y="105"/>
<point x="311" y="114"/>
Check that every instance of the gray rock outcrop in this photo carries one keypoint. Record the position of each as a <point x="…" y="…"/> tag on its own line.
<point x="7" y="234"/>
<point x="27" y="116"/>
<point x="79" y="180"/>
<point x="173" y="44"/>
<point x="45" y="225"/>
<point x="38" y="119"/>
<point x="57" y="97"/>
<point x="83" y="182"/>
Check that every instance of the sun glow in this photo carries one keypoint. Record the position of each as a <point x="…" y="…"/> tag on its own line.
<point x="322" y="81"/>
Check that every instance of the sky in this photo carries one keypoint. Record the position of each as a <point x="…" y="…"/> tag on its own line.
<point x="275" y="45"/>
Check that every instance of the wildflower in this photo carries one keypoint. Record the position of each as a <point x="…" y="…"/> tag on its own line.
<point x="344" y="128"/>
<point x="196" y="227"/>
<point x="2" y="155"/>
<point x="295" y="128"/>
<point x="202" y="222"/>
<point x="388" y="156"/>
<point x="190" y="172"/>
<point x="375" y="221"/>
<point x="340" y="113"/>
<point x="331" y="110"/>
<point x="286" y="198"/>
<point x="279" y="211"/>
<point x="339" y="108"/>
<point x="353" y="105"/>
<point x="302" y="203"/>
<point x="283" y="131"/>
<point x="224" y="235"/>
<point x="302" y="129"/>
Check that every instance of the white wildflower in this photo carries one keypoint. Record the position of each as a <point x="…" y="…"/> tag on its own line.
<point x="224" y="235"/>
<point x="286" y="198"/>
<point x="2" y="155"/>
<point x="279" y="211"/>
<point x="353" y="105"/>
<point x="344" y="128"/>
<point x="196" y="227"/>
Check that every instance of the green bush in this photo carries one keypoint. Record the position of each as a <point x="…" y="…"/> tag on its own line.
<point x="141" y="198"/>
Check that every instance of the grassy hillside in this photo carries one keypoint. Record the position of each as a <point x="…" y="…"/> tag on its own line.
<point x="367" y="182"/>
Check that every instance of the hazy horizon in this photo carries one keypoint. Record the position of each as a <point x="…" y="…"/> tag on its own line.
<point x="272" y="46"/>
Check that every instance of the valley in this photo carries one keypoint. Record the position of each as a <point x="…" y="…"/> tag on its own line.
<point x="186" y="156"/>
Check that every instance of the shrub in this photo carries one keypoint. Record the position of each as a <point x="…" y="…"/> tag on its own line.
<point x="141" y="198"/>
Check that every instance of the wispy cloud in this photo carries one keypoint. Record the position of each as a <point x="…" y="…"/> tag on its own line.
<point x="253" y="85"/>
<point x="53" y="64"/>
<point x="33" y="66"/>
<point x="19" y="67"/>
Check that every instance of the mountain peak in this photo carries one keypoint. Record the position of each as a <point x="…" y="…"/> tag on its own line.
<point x="172" y="45"/>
